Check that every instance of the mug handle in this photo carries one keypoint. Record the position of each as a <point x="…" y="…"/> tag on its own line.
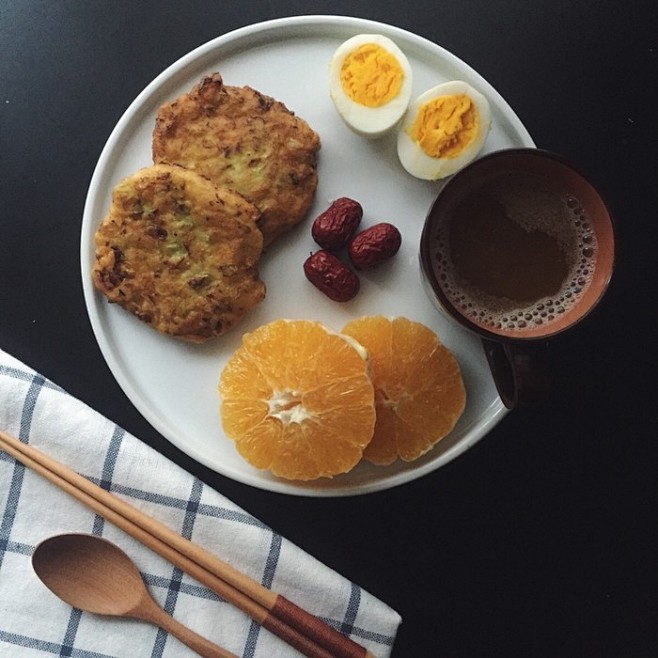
<point x="519" y="371"/>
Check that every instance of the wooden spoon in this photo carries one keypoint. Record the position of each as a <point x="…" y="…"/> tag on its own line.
<point x="92" y="574"/>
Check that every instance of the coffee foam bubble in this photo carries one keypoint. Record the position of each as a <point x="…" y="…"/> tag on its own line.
<point x="575" y="237"/>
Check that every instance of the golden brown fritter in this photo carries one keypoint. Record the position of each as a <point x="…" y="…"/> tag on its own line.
<point x="246" y="141"/>
<point x="179" y="252"/>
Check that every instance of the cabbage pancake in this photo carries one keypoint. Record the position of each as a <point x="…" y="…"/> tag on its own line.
<point x="246" y="141"/>
<point x="179" y="253"/>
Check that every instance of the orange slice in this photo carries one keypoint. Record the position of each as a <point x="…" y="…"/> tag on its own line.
<point x="297" y="399"/>
<point x="419" y="390"/>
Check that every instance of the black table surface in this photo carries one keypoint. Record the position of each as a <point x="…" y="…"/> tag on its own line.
<point x="541" y="539"/>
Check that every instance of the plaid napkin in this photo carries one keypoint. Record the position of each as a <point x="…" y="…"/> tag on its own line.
<point x="34" y="622"/>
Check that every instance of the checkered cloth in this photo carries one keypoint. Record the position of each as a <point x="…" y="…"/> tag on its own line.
<point x="33" y="622"/>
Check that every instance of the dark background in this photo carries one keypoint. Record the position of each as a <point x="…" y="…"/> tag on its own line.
<point x="540" y="540"/>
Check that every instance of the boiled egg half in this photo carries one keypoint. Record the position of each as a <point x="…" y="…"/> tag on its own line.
<point x="444" y="129"/>
<point x="370" y="84"/>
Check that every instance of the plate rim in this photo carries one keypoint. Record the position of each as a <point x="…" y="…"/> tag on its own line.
<point x="329" y="25"/>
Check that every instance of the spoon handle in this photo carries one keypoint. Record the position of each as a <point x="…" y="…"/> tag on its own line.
<point x="194" y="641"/>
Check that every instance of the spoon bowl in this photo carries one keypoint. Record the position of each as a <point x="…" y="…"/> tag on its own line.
<point x="74" y="568"/>
<point x="94" y="575"/>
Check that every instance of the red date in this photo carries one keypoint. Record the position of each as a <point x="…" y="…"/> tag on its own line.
<point x="337" y="224"/>
<point x="375" y="245"/>
<point x="330" y="275"/>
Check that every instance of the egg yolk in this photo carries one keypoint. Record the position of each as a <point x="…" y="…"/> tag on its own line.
<point x="446" y="125"/>
<point x="371" y="76"/>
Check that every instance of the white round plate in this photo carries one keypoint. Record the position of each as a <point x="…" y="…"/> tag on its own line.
<point x="173" y="384"/>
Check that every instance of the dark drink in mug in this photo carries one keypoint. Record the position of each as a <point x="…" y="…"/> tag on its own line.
<point x="515" y="254"/>
<point x="517" y="247"/>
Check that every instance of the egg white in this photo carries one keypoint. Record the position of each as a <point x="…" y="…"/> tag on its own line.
<point x="412" y="156"/>
<point x="370" y="122"/>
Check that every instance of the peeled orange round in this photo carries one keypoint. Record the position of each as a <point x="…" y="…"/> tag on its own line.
<point x="297" y="399"/>
<point x="419" y="390"/>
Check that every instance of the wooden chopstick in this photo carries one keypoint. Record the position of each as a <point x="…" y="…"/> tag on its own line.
<point x="300" y="629"/>
<point x="220" y="587"/>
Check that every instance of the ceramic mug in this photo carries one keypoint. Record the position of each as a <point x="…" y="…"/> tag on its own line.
<point x="518" y="247"/>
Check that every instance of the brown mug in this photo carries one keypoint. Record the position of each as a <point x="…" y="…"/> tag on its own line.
<point x="518" y="247"/>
